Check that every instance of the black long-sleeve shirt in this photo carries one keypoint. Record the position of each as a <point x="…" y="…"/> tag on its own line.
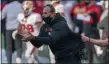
<point x="57" y="35"/>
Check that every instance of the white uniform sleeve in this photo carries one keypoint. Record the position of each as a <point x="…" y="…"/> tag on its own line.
<point x="20" y="17"/>
<point x="38" y="18"/>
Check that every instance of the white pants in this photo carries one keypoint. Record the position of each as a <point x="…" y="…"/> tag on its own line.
<point x="29" y="53"/>
<point x="29" y="48"/>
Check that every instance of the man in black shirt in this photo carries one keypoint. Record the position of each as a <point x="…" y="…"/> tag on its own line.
<point x="64" y="44"/>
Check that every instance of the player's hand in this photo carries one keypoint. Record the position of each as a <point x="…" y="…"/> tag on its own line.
<point x="21" y="32"/>
<point x="29" y="37"/>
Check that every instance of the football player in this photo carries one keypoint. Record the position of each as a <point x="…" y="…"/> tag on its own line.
<point x="29" y="23"/>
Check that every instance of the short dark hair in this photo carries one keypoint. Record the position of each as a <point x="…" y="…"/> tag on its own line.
<point x="52" y="9"/>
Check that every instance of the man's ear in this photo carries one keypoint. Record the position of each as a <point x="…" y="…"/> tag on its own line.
<point x="52" y="14"/>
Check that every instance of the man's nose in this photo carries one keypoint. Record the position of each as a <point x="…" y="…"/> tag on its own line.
<point x="43" y="15"/>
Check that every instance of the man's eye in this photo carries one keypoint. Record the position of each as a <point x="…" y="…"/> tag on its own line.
<point x="27" y="8"/>
<point x="44" y="12"/>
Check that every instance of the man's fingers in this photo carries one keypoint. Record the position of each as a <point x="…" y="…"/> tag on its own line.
<point x="85" y="39"/>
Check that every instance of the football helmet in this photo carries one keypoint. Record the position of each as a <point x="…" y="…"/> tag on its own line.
<point x="27" y="7"/>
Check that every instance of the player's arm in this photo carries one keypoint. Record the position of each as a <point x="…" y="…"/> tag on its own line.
<point x="20" y="30"/>
<point x="19" y="27"/>
<point x="40" y="35"/>
<point x="17" y="31"/>
<point x="19" y="19"/>
<point x="39" y="22"/>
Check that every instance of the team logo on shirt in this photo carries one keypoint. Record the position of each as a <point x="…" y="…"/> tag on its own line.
<point x="49" y="30"/>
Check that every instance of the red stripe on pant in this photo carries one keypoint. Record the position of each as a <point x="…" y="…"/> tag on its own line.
<point x="33" y="50"/>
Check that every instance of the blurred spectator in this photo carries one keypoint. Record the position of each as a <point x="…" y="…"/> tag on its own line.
<point x="58" y="7"/>
<point x="76" y="11"/>
<point x="92" y="17"/>
<point x="10" y="12"/>
<point x="104" y="14"/>
<point x="104" y="25"/>
<point x="38" y="6"/>
<point x="105" y="9"/>
<point x="103" y="3"/>
<point x="68" y="5"/>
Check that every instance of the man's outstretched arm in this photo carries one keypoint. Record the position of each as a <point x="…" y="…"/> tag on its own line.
<point x="95" y="41"/>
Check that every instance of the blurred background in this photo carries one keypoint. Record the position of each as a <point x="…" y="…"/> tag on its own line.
<point x="96" y="13"/>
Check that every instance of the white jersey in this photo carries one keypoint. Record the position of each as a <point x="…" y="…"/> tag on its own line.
<point x="30" y="23"/>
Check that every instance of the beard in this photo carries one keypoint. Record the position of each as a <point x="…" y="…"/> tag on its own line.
<point x="47" y="19"/>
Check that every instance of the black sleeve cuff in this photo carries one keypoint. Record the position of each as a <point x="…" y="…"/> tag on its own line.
<point x="36" y="43"/>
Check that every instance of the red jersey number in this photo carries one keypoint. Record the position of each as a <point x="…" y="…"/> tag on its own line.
<point x="29" y="27"/>
<point x="23" y="26"/>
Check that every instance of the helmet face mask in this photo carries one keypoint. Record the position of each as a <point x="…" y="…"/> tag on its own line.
<point x="27" y="7"/>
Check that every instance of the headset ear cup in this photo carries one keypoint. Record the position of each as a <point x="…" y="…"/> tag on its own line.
<point x="14" y="34"/>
